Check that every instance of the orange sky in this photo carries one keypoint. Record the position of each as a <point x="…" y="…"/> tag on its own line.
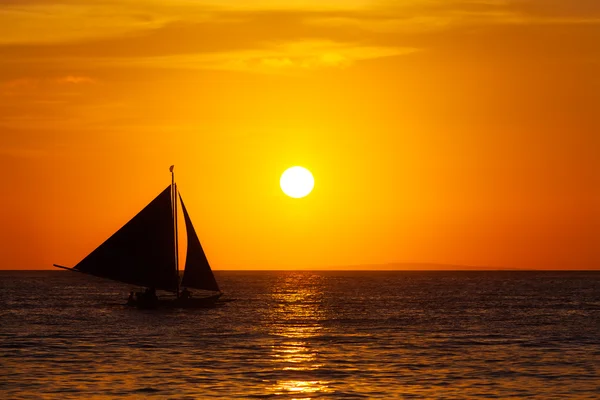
<point x="459" y="132"/>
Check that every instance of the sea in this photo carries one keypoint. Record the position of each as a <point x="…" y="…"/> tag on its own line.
<point x="306" y="335"/>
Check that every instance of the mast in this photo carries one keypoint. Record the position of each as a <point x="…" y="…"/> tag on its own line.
<point x="174" y="205"/>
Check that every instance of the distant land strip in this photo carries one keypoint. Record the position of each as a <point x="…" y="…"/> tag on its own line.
<point x="422" y="267"/>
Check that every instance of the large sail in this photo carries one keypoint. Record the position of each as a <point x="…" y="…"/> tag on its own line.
<point x="197" y="274"/>
<point x="142" y="252"/>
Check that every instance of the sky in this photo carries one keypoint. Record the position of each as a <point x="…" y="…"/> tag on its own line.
<point x="438" y="131"/>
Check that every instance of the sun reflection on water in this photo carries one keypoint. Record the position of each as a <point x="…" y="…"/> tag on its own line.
<point x="296" y="319"/>
<point x="302" y="388"/>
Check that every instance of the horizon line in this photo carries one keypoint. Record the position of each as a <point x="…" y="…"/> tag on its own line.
<point x="370" y="270"/>
<point x="392" y="266"/>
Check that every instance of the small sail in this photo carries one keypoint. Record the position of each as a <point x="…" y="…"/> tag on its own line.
<point x="142" y="251"/>
<point x="197" y="274"/>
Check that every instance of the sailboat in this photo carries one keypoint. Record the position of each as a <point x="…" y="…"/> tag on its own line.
<point x="144" y="252"/>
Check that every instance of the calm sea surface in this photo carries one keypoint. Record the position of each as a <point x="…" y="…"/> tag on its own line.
<point x="307" y="335"/>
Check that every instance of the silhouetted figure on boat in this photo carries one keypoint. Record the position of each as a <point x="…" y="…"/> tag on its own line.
<point x="146" y="299"/>
<point x="131" y="300"/>
<point x="151" y="294"/>
<point x="186" y="294"/>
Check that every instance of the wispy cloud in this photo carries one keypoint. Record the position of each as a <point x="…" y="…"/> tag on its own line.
<point x="22" y="152"/>
<point x="51" y="85"/>
<point x="19" y="83"/>
<point x="254" y="36"/>
<point x="281" y="57"/>
<point x="75" y="79"/>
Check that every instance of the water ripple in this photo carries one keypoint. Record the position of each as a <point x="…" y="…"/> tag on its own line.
<point x="306" y="335"/>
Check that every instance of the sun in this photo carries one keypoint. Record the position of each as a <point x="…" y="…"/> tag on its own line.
<point x="297" y="182"/>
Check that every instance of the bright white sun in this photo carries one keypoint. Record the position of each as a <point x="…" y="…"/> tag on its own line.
<point x="297" y="182"/>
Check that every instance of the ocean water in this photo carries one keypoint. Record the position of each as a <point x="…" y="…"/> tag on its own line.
<point x="306" y="335"/>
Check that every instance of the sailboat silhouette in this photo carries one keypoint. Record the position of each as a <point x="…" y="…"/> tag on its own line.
<point x="144" y="252"/>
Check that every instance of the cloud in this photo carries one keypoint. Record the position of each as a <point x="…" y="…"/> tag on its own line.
<point x="34" y="82"/>
<point x="22" y="152"/>
<point x="256" y="36"/>
<point x="288" y="56"/>
<point x="312" y="54"/>
<point x="50" y="86"/>
<point x="72" y="21"/>
<point x="228" y="40"/>
<point x="20" y="83"/>
<point x="75" y="80"/>
<point x="42" y="22"/>
<point x="567" y="10"/>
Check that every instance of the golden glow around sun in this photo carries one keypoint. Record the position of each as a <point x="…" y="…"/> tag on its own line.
<point x="297" y="182"/>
